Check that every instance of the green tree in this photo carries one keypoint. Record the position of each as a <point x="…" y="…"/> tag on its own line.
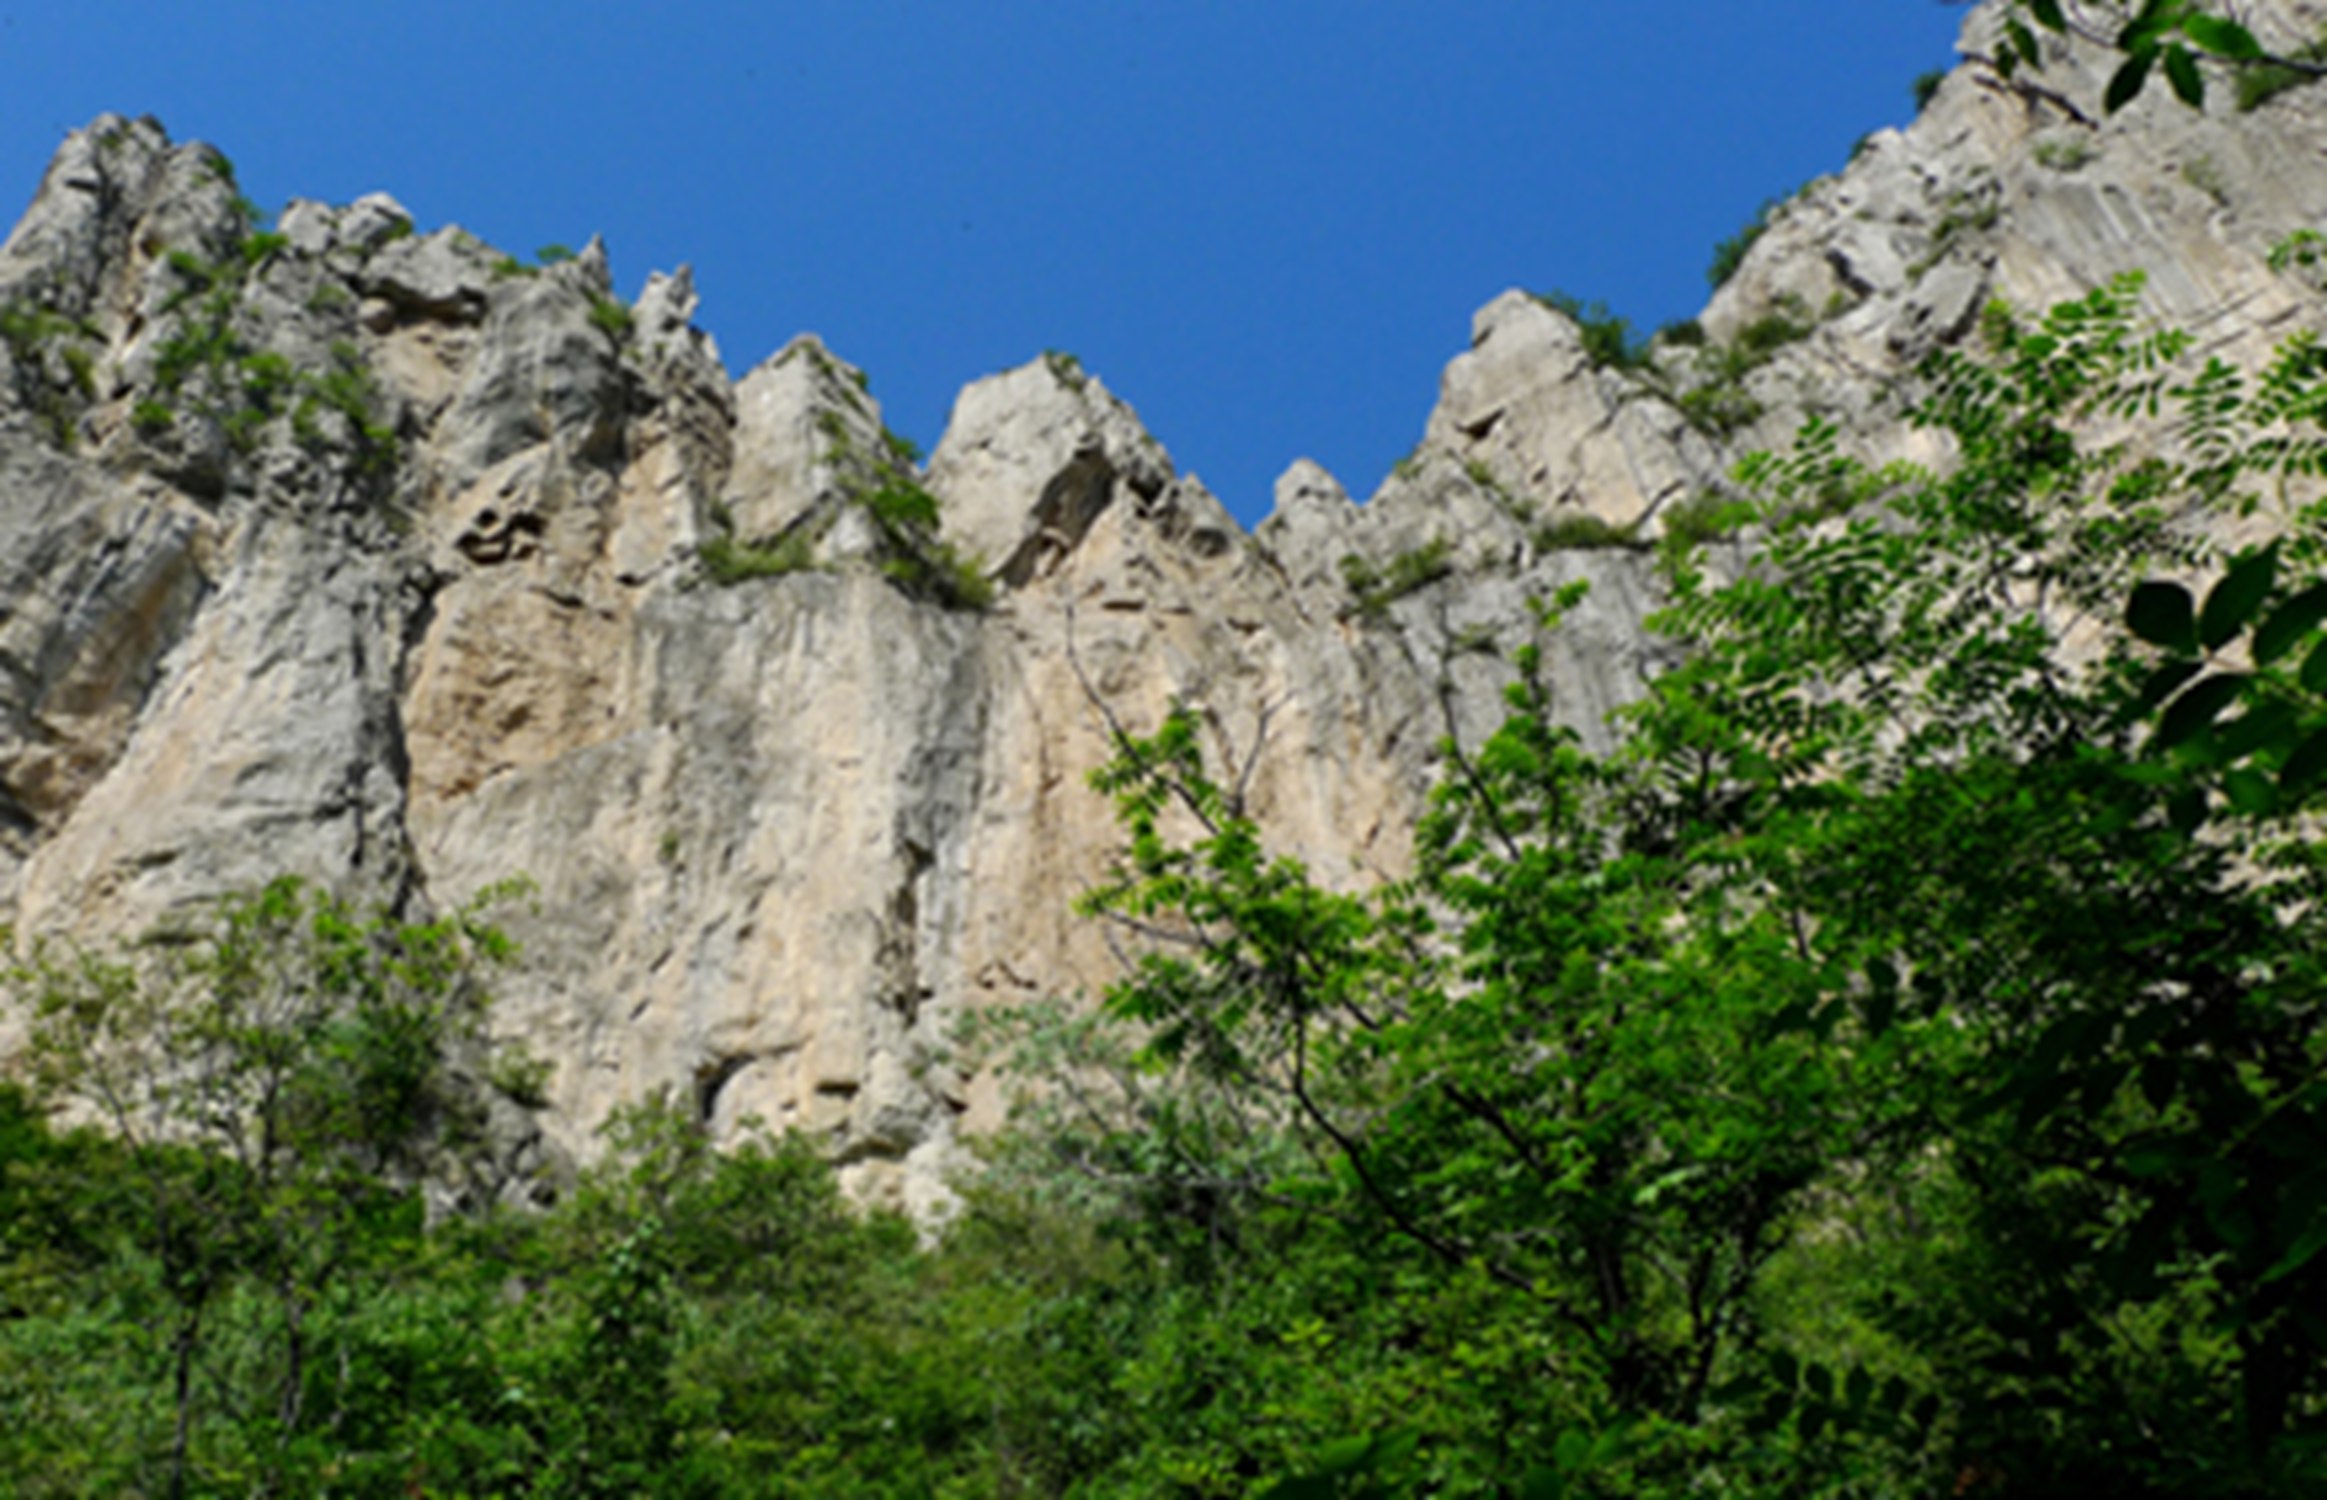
<point x="1921" y="910"/>
<point x="275" y="1080"/>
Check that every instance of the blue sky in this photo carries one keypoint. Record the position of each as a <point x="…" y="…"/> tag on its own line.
<point x="1265" y="224"/>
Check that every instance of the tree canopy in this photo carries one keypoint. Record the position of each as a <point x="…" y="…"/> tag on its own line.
<point x="1896" y="1067"/>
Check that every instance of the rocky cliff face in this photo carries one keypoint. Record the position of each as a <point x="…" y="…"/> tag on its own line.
<point x="369" y="554"/>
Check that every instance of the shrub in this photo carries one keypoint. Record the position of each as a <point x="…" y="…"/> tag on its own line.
<point x="257" y="247"/>
<point x="1926" y="87"/>
<point x="1703" y="518"/>
<point x="1581" y="531"/>
<point x="1765" y="335"/>
<point x="2303" y="253"/>
<point x="2261" y="83"/>
<point x="1720" y="409"/>
<point x="552" y="255"/>
<point x="81" y="365"/>
<point x="1065" y="369"/>
<point x="1608" y="339"/>
<point x="151" y="418"/>
<point x="727" y="561"/>
<point x="610" y="316"/>
<point x="1729" y="254"/>
<point x="902" y="504"/>
<point x="347" y="388"/>
<point x="266" y="375"/>
<point x="22" y="328"/>
<point x="242" y="428"/>
<point x="902" y="451"/>
<point x="1966" y="213"/>
<point x="938" y="570"/>
<point x="192" y="349"/>
<point x="2064" y="153"/>
<point x="1375" y="589"/>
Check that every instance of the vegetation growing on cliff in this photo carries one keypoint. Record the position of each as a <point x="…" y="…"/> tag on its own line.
<point x="1893" y="1069"/>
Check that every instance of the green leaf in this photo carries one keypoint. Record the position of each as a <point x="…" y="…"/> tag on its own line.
<point x="2289" y="623"/>
<point x="2300" y="1254"/>
<point x="2166" y="681"/>
<point x="2314" y="673"/>
<point x="2162" y="614"/>
<point x="1543" y="1484"/>
<point x="2047" y="14"/>
<point x="1795" y="1017"/>
<point x="2303" y="767"/>
<point x="2154" y="18"/>
<point x="2161" y="1079"/>
<point x="1307" y="1487"/>
<point x="2251" y="792"/>
<point x="2187" y="810"/>
<point x="2266" y="725"/>
<point x="2221" y="36"/>
<point x="2181" y="70"/>
<point x="2125" y="87"/>
<point x="2022" y="40"/>
<point x="1882" y="1008"/>
<point x="2234" y="601"/>
<point x="2196" y="709"/>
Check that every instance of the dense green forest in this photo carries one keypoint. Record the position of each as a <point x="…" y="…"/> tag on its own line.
<point x="1895" y="1069"/>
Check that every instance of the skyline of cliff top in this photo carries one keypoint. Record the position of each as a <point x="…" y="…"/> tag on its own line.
<point x="1267" y="230"/>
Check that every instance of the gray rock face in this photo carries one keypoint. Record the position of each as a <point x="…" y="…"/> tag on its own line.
<point x="1033" y="457"/>
<point x="1527" y="409"/>
<point x="804" y="430"/>
<point x="374" y="556"/>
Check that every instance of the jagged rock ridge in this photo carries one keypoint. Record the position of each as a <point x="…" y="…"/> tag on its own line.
<point x="374" y="555"/>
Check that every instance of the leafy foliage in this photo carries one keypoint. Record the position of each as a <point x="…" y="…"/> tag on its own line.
<point x="1885" y="914"/>
<point x="1893" y="1067"/>
<point x="2180" y="39"/>
<point x="54" y="368"/>
<point x="610" y="317"/>
<point x="1609" y="341"/>
<point x="1730" y="253"/>
<point x="1373" y="590"/>
<point x="728" y="562"/>
<point x="1581" y="530"/>
<point x="268" y="1081"/>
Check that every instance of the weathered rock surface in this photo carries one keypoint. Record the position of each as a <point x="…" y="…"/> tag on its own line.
<point x="371" y="555"/>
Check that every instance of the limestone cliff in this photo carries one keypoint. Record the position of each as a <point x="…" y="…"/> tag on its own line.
<point x="368" y="553"/>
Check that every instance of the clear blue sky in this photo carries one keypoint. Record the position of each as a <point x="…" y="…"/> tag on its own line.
<point x="1265" y="224"/>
